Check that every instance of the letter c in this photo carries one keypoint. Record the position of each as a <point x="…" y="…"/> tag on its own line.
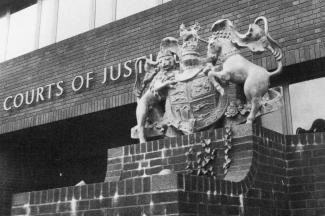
<point x="5" y="104"/>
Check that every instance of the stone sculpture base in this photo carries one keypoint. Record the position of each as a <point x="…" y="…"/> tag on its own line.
<point x="269" y="174"/>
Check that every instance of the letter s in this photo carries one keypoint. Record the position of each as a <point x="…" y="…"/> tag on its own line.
<point x="58" y="85"/>
<point x="127" y="67"/>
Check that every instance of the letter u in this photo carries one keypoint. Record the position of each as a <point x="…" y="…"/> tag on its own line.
<point x="118" y="73"/>
<point x="32" y="97"/>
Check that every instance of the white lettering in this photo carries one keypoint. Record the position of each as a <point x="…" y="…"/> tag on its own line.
<point x="39" y="94"/>
<point x="105" y="75"/>
<point x="118" y="73"/>
<point x="57" y="89"/>
<point x="140" y="62"/>
<point x="74" y="88"/>
<point x="88" y="78"/>
<point x="49" y="93"/>
<point x="27" y="96"/>
<point x="5" y="107"/>
<point x="58" y="86"/>
<point x="127" y="68"/>
<point x="21" y="100"/>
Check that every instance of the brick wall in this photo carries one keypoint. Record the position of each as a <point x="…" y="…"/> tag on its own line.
<point x="270" y="174"/>
<point x="306" y="174"/>
<point x="257" y="170"/>
<point x="172" y="194"/>
<point x="242" y="190"/>
<point x="171" y="153"/>
<point x="267" y="181"/>
<point x="297" y="25"/>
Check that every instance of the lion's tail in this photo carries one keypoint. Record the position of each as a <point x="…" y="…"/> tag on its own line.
<point x="278" y="70"/>
<point x="277" y="53"/>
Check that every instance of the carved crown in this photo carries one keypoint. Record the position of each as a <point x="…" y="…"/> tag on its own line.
<point x="190" y="39"/>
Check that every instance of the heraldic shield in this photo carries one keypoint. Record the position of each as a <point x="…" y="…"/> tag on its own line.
<point x="194" y="104"/>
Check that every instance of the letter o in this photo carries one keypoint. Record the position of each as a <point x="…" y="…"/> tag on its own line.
<point x="74" y="88"/>
<point x="17" y="105"/>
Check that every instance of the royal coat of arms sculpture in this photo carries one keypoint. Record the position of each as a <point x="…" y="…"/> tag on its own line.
<point x="194" y="93"/>
<point x="193" y="104"/>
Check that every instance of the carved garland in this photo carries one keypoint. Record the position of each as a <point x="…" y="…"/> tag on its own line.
<point x="227" y="142"/>
<point x="190" y="161"/>
<point x="202" y="162"/>
<point x="206" y="158"/>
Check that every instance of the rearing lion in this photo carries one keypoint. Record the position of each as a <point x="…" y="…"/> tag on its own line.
<point x="226" y="64"/>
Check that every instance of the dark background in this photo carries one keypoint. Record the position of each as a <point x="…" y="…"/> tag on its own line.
<point x="62" y="153"/>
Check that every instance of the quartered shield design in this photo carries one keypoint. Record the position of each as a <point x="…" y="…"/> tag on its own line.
<point x="194" y="104"/>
